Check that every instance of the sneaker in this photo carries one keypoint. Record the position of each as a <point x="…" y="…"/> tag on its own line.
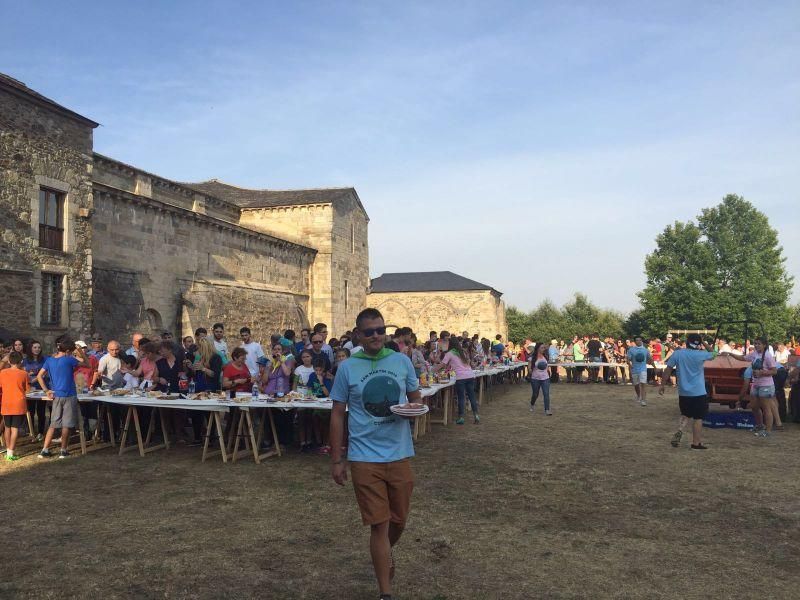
<point x="39" y="437"/>
<point x="460" y="421"/>
<point x="45" y="453"/>
<point x="548" y="413"/>
<point x="12" y="457"/>
<point x="56" y="440"/>
<point x="63" y="454"/>
<point x="642" y="403"/>
<point x="763" y="433"/>
<point x="477" y="419"/>
<point x="531" y="407"/>
<point x="676" y="439"/>
<point x="699" y="447"/>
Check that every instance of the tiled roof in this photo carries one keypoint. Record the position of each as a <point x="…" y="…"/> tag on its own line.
<point x="246" y="198"/>
<point x="430" y="281"/>
<point x="17" y="87"/>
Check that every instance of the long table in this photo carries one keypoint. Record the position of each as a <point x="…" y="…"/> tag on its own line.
<point x="243" y="431"/>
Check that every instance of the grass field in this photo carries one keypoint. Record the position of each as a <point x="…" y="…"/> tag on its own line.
<point x="589" y="503"/>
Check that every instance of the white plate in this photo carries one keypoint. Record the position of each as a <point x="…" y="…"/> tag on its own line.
<point x="408" y="412"/>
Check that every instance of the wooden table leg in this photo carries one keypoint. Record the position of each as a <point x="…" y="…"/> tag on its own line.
<point x="276" y="446"/>
<point x="164" y="428"/>
<point x="30" y="425"/>
<point x="237" y="426"/>
<point x="111" y="431"/>
<point x="252" y="436"/>
<point x="123" y="438"/>
<point x="275" y="441"/>
<point x="214" y="422"/>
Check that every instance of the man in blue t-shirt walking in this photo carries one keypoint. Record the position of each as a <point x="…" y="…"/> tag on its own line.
<point x="691" y="387"/>
<point x="368" y="384"/>
<point x="638" y="358"/>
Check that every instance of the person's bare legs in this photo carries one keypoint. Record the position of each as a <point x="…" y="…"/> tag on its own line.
<point x="48" y="437"/>
<point x="11" y="439"/>
<point x="64" y="437"/>
<point x="380" y="548"/>
<point x="767" y="415"/>
<point x="682" y="423"/>
<point x="643" y="394"/>
<point x="697" y="431"/>
<point x="772" y="403"/>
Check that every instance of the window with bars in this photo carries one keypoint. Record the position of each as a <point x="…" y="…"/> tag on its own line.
<point x="51" y="219"/>
<point x="52" y="293"/>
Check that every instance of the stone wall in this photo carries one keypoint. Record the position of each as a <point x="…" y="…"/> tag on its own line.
<point x="340" y="256"/>
<point x="481" y="312"/>
<point x="40" y="146"/>
<point x="264" y="310"/>
<point x="310" y="225"/>
<point x="120" y="176"/>
<point x="17" y="294"/>
<point x="161" y="245"/>
<point x="349" y="265"/>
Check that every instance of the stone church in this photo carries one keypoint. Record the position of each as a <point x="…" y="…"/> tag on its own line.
<point x="92" y="244"/>
<point x="439" y="300"/>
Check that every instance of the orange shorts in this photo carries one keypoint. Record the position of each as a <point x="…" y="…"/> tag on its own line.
<point x="383" y="490"/>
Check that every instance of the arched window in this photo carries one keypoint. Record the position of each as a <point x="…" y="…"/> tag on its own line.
<point x="154" y="320"/>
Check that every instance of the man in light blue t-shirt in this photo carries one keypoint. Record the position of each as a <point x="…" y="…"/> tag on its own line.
<point x="692" y="396"/>
<point x="368" y="384"/>
<point x="638" y="358"/>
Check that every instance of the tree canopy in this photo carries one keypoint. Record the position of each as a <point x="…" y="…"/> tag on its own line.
<point x="577" y="317"/>
<point x="727" y="266"/>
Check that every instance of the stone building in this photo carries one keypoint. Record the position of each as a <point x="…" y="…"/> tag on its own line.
<point x="439" y="300"/>
<point x="92" y="244"/>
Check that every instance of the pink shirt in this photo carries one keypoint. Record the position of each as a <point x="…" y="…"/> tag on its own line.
<point x="462" y="371"/>
<point x="536" y="372"/>
<point x="148" y="368"/>
<point x="768" y="362"/>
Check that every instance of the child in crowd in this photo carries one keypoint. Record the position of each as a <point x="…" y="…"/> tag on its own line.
<point x="13" y="386"/>
<point x="342" y="354"/>
<point x="128" y="369"/>
<point x="320" y="385"/>
<point x="303" y="371"/>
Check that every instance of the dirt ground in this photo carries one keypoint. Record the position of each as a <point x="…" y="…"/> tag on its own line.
<point x="589" y="503"/>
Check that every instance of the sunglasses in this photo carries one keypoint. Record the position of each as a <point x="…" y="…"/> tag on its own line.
<point x="372" y="331"/>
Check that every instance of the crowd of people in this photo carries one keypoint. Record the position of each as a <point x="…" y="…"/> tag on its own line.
<point x="367" y="370"/>
<point x="364" y="372"/>
<point x="213" y="362"/>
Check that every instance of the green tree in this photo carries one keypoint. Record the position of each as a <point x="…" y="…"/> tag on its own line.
<point x="547" y="321"/>
<point x="728" y="266"/>
<point x="519" y="324"/>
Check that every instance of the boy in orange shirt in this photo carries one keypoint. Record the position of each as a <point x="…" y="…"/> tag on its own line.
<point x="14" y="386"/>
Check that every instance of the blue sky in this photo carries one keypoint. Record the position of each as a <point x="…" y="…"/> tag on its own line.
<point x="536" y="147"/>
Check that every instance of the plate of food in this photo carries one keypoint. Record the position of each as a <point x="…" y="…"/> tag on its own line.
<point x="120" y="392"/>
<point x="169" y="397"/>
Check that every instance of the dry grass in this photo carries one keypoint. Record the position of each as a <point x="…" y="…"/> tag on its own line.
<point x="592" y="502"/>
